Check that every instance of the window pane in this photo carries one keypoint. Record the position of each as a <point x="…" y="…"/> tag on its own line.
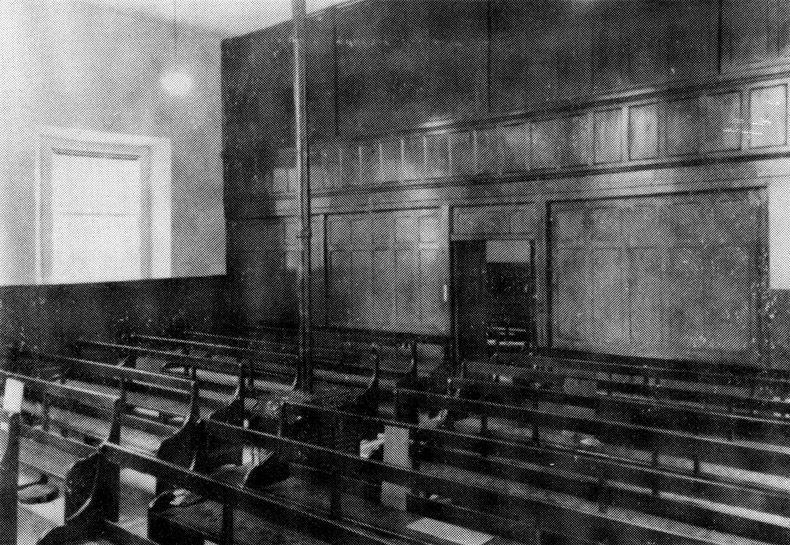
<point x="95" y="248"/>
<point x="95" y="185"/>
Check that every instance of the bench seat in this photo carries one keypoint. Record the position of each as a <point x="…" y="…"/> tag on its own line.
<point x="317" y="496"/>
<point x="203" y="518"/>
<point x="517" y="489"/>
<point x="99" y="429"/>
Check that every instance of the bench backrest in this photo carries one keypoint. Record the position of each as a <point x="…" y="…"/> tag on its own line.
<point x="656" y="435"/>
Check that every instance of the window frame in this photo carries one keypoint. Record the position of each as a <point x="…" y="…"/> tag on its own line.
<point x="155" y="159"/>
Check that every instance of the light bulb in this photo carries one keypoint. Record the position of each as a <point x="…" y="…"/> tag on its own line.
<point x="177" y="83"/>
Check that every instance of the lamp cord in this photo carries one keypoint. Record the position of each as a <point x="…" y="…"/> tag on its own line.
<point x="175" y="32"/>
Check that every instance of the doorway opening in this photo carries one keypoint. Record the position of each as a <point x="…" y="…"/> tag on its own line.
<point x="494" y="288"/>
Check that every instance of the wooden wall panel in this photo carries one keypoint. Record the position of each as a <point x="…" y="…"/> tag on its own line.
<point x="643" y="131"/>
<point x="747" y="31"/>
<point x="608" y="136"/>
<point x="646" y="286"/>
<point x="386" y="270"/>
<point x="674" y="276"/>
<point x="510" y="54"/>
<point x="515" y="152"/>
<point x="487" y="151"/>
<point x="339" y="294"/>
<point x="320" y="73"/>
<point x="369" y="163"/>
<point x="495" y="220"/>
<point x="724" y="117"/>
<point x="683" y="126"/>
<point x="265" y="262"/>
<point x="768" y="114"/>
<point x="644" y="43"/>
<point x="607" y="58"/>
<point x="609" y="313"/>
<point x="413" y="157"/>
<point x="462" y="153"/>
<point x="690" y="37"/>
<point x="573" y="51"/>
<point x="595" y="47"/>
<point x="572" y="300"/>
<point x="423" y="59"/>
<point x="437" y="155"/>
<point x="391" y="161"/>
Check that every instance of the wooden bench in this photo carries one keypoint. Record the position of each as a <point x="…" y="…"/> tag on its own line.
<point x="208" y="507"/>
<point x="91" y="480"/>
<point x="735" y="400"/>
<point x="54" y="454"/>
<point x="238" y="348"/>
<point x="147" y="393"/>
<point x="658" y="466"/>
<point x="729" y="386"/>
<point x="147" y="426"/>
<point x="342" y="487"/>
<point x="461" y="497"/>
<point x="395" y="346"/>
<point x="260" y="412"/>
<point x="280" y="375"/>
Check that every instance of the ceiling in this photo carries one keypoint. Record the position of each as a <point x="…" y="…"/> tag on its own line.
<point x="229" y="17"/>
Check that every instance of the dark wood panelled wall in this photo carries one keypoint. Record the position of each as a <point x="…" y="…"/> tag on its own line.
<point x="632" y="141"/>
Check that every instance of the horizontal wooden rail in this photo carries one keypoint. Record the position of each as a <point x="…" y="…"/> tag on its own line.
<point x="707" y="396"/>
<point x="459" y="490"/>
<point x="70" y="393"/>
<point x="590" y="474"/>
<point x="239" y="497"/>
<point x="663" y="414"/>
<point x="697" y="372"/>
<point x="736" y="454"/>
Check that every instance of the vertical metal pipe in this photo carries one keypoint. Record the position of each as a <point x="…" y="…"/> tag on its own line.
<point x="305" y="372"/>
<point x="9" y="468"/>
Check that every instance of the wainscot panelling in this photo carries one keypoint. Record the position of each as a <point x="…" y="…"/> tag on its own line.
<point x="636" y="130"/>
<point x="481" y="222"/>
<point x="730" y="122"/>
<point x="264" y="261"/>
<point x="674" y="276"/>
<point x="386" y="269"/>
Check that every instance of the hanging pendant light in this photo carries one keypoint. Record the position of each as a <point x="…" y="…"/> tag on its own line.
<point x="176" y="81"/>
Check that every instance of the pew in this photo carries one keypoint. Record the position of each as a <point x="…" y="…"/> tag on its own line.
<point x="247" y="349"/>
<point x="91" y="482"/>
<point x="19" y="523"/>
<point x="147" y="426"/>
<point x="351" y="343"/>
<point x="324" y="481"/>
<point x="282" y="371"/>
<point x="655" y="467"/>
<point x="55" y="454"/>
<point x="263" y="413"/>
<point x="451" y="497"/>
<point x="147" y="393"/>
<point x="729" y="385"/>
<point x="367" y="389"/>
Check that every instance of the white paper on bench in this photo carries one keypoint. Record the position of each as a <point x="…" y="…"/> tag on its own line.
<point x="14" y="392"/>
<point x="396" y="453"/>
<point x="449" y="532"/>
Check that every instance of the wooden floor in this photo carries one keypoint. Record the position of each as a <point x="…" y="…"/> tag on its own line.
<point x="136" y="492"/>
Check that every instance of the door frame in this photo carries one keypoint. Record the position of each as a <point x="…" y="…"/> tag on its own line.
<point x="454" y="286"/>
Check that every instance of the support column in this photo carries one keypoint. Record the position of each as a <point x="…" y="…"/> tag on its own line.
<point x="305" y="372"/>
